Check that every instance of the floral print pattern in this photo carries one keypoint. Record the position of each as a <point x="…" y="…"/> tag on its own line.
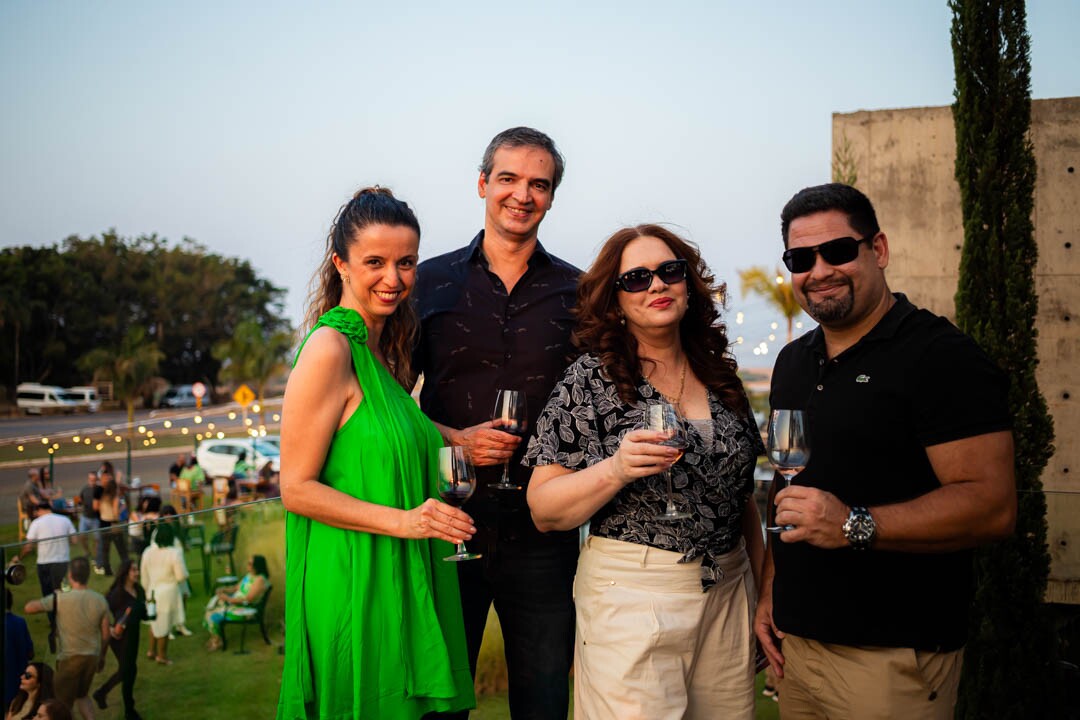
<point x="583" y="423"/>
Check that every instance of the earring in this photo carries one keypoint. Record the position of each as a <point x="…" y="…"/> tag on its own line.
<point x="345" y="279"/>
<point x="622" y="321"/>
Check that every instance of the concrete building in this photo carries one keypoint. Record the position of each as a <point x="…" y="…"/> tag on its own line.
<point x="904" y="161"/>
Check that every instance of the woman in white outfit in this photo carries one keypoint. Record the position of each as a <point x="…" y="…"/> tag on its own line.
<point x="162" y="571"/>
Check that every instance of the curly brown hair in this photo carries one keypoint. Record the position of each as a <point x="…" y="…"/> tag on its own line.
<point x="704" y="337"/>
<point x="369" y="206"/>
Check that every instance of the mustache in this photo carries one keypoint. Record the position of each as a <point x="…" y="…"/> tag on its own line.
<point x="810" y="285"/>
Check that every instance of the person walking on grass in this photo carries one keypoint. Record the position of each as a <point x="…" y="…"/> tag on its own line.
<point x="82" y="625"/>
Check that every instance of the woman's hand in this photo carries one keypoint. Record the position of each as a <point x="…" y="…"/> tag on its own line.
<point x="487" y="445"/>
<point x="435" y="519"/>
<point x="640" y="455"/>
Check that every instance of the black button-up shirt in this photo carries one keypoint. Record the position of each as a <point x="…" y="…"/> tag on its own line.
<point x="476" y="339"/>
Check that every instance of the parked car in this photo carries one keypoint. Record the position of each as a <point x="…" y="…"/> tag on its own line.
<point x="178" y="396"/>
<point x="36" y="399"/>
<point x="85" y="397"/>
<point x="218" y="457"/>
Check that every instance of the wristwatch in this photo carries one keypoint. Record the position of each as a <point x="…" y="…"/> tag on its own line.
<point x="859" y="528"/>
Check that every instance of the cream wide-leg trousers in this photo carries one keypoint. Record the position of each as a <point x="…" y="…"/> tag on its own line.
<point x="651" y="645"/>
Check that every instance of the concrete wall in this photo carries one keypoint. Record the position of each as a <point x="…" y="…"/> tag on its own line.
<point x="905" y="164"/>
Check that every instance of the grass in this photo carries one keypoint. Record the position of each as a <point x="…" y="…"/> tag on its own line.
<point x="225" y="685"/>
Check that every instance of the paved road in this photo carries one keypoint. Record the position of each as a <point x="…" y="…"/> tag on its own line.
<point x="70" y="473"/>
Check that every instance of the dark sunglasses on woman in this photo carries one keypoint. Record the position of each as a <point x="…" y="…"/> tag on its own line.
<point x="29" y="675"/>
<point x="640" y="279"/>
<point x="835" y="252"/>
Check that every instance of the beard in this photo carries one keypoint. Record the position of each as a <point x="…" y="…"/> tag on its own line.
<point x="830" y="310"/>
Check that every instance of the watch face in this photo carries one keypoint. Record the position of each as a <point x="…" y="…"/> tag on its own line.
<point x="859" y="528"/>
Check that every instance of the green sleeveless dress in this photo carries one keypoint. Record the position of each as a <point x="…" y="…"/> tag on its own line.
<point x="373" y="623"/>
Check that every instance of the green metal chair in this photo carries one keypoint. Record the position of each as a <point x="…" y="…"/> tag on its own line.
<point x="222" y="543"/>
<point x="247" y="615"/>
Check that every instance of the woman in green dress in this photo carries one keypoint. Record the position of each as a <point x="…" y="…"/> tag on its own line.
<point x="373" y="616"/>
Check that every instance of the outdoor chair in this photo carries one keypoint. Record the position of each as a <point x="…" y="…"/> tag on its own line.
<point x="221" y="544"/>
<point x="186" y="498"/>
<point x="221" y="491"/>
<point x="247" y="615"/>
<point x="24" y="520"/>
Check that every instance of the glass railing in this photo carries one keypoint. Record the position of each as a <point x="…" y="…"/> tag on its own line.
<point x="240" y="679"/>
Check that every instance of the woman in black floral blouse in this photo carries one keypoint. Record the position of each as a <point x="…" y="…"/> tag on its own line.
<point x="664" y="609"/>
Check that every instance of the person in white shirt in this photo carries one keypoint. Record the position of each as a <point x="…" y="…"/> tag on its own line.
<point x="50" y="533"/>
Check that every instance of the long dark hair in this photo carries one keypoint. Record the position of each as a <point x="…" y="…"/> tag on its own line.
<point x="703" y="335"/>
<point x="45" y="691"/>
<point x="369" y="206"/>
<point x="258" y="564"/>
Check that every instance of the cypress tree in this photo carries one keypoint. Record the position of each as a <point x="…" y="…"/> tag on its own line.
<point x="1010" y="641"/>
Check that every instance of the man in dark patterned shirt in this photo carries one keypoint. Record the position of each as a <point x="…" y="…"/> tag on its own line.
<point x="494" y="315"/>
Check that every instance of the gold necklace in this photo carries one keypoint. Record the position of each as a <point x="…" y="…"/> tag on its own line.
<point x="677" y="400"/>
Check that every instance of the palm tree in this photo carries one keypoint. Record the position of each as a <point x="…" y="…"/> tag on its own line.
<point x="252" y="356"/>
<point x="131" y="367"/>
<point x="776" y="290"/>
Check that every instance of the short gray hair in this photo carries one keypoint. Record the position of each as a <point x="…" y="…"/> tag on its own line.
<point x="523" y="137"/>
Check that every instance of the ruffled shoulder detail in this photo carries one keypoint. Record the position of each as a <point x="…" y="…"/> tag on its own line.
<point x="346" y="321"/>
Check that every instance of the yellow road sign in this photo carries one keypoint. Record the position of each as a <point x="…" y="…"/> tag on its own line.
<point x="244" y="395"/>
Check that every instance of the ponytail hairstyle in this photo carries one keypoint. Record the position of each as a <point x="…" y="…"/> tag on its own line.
<point x="369" y="206"/>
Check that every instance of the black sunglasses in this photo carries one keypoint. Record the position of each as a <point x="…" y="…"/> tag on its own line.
<point x="640" y="279"/>
<point x="29" y="676"/>
<point x="835" y="252"/>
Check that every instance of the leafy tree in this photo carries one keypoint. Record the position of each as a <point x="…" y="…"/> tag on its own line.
<point x="252" y="355"/>
<point x="58" y="303"/>
<point x="844" y="161"/>
<point x="775" y="289"/>
<point x="1010" y="641"/>
<point x="130" y="367"/>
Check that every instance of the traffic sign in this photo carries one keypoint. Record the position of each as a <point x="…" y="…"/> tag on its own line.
<point x="244" y="395"/>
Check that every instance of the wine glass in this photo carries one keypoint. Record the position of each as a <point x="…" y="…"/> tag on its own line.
<point x="788" y="448"/>
<point x="509" y="416"/>
<point x="662" y="417"/>
<point x="457" y="480"/>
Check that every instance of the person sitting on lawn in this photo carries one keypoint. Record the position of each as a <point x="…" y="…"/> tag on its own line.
<point x="248" y="591"/>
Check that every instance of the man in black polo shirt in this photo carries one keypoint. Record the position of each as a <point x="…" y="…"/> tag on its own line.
<point x="496" y="315"/>
<point x="911" y="465"/>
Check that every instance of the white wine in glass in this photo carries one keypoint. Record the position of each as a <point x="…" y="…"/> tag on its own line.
<point x="788" y="448"/>
<point x="457" y="481"/>
<point x="662" y="417"/>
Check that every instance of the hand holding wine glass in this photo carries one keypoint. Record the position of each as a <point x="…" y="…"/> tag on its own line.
<point x="509" y="416"/>
<point x="662" y="417"/>
<point x="457" y="481"/>
<point x="788" y="448"/>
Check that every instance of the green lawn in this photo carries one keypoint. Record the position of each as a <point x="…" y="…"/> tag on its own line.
<point x="229" y="686"/>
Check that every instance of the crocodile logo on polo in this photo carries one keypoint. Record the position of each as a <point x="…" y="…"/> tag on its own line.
<point x="862" y="379"/>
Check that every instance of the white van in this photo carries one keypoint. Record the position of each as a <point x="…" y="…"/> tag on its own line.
<point x="36" y="399"/>
<point x="85" y="397"/>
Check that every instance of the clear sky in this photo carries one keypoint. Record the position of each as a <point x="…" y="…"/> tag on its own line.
<point x="245" y="125"/>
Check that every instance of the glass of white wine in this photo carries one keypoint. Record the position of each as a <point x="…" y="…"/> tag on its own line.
<point x="662" y="417"/>
<point x="788" y="448"/>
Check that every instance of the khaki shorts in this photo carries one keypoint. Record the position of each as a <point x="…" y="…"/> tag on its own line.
<point x="650" y="645"/>
<point x="74" y="675"/>
<point x="841" y="682"/>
